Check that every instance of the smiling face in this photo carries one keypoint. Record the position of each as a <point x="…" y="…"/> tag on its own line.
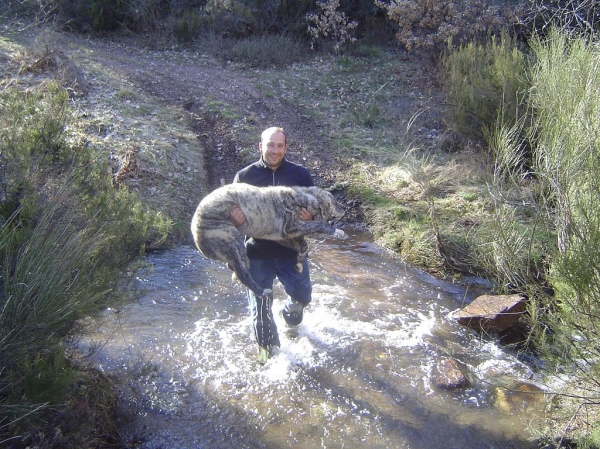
<point x="273" y="147"/>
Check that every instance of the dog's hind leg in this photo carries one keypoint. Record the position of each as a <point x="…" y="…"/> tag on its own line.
<point x="239" y="263"/>
<point x="302" y="253"/>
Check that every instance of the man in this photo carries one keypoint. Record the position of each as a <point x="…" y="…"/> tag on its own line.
<point x="269" y="259"/>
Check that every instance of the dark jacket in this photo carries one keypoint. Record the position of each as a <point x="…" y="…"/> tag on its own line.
<point x="260" y="175"/>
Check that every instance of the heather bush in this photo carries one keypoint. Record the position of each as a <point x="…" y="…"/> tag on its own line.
<point x="431" y="25"/>
<point x="565" y="131"/>
<point x="31" y="140"/>
<point x="187" y="26"/>
<point x="331" y="25"/>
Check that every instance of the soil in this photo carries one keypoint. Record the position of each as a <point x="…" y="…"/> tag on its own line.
<point x="185" y="79"/>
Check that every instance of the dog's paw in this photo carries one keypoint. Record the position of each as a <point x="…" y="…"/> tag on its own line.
<point x="339" y="234"/>
<point x="267" y="292"/>
<point x="299" y="267"/>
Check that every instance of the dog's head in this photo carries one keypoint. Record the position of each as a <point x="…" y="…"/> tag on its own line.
<point x="329" y="207"/>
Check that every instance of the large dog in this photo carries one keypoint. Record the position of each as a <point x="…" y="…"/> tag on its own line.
<point x="272" y="213"/>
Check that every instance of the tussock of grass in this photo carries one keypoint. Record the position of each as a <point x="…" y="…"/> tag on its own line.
<point x="269" y="51"/>
<point x="67" y="228"/>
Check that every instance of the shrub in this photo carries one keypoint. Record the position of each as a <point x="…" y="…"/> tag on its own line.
<point x="565" y="131"/>
<point x="92" y="15"/>
<point x="187" y="26"/>
<point x="331" y="25"/>
<point x="49" y="281"/>
<point x="431" y="25"/>
<point x="485" y="85"/>
<point x="147" y="15"/>
<point x="31" y="139"/>
<point x="65" y="234"/>
<point x="576" y="16"/>
<point x="562" y="190"/>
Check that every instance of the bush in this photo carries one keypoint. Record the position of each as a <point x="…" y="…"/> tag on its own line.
<point x="565" y="132"/>
<point x="331" y="25"/>
<point x="485" y="85"/>
<point x="430" y="25"/>
<point x="92" y="15"/>
<point x="581" y="17"/>
<point x="31" y="140"/>
<point x="561" y="189"/>
<point x="187" y="26"/>
<point x="66" y="232"/>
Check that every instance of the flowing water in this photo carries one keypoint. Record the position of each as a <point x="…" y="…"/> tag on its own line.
<point x="355" y="373"/>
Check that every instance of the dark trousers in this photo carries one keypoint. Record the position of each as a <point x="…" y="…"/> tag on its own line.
<point x="296" y="285"/>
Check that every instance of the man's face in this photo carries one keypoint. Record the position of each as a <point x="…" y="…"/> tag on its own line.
<point x="273" y="149"/>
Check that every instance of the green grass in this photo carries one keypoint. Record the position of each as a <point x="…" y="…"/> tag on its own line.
<point x="66" y="232"/>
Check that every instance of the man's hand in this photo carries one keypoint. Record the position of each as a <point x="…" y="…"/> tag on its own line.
<point x="237" y="216"/>
<point x="306" y="215"/>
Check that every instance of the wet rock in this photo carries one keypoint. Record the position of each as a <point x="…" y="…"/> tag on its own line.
<point x="447" y="374"/>
<point x="518" y="396"/>
<point x="493" y="313"/>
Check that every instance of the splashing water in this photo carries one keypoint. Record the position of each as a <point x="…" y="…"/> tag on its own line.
<point x="355" y="373"/>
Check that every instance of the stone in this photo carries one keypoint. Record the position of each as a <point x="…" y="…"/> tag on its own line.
<point x="518" y="396"/>
<point x="492" y="313"/>
<point x="447" y="374"/>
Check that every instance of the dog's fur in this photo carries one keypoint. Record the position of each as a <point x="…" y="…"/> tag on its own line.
<point x="272" y="213"/>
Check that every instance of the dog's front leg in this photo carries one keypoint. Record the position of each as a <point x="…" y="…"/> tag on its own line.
<point x="318" y="227"/>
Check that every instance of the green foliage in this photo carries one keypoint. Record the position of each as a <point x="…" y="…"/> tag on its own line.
<point x="486" y="86"/>
<point x="561" y="190"/>
<point x="149" y="15"/>
<point x="66" y="232"/>
<point x="31" y="138"/>
<point x="49" y="280"/>
<point x="566" y="132"/>
<point x="47" y="378"/>
<point x="592" y="439"/>
<point x="233" y="18"/>
<point x="368" y="116"/>
<point x="187" y="27"/>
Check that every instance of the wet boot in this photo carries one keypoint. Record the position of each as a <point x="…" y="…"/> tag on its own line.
<point x="292" y="312"/>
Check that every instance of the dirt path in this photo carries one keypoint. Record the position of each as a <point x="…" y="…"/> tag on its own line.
<point x="208" y="90"/>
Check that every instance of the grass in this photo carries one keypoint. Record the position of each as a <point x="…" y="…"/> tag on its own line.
<point x="69" y="224"/>
<point x="376" y="118"/>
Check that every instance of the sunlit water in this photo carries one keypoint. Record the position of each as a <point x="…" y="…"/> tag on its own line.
<point x="355" y="373"/>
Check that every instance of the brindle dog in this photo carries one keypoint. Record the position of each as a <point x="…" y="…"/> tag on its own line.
<point x="272" y="213"/>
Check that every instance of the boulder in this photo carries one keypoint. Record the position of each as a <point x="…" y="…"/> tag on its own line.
<point x="519" y="395"/>
<point x="447" y="374"/>
<point x="492" y="313"/>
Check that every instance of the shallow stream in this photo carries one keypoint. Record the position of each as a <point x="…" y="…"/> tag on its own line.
<point x="355" y="374"/>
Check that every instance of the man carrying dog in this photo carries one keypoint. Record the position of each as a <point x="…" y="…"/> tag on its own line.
<point x="269" y="259"/>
